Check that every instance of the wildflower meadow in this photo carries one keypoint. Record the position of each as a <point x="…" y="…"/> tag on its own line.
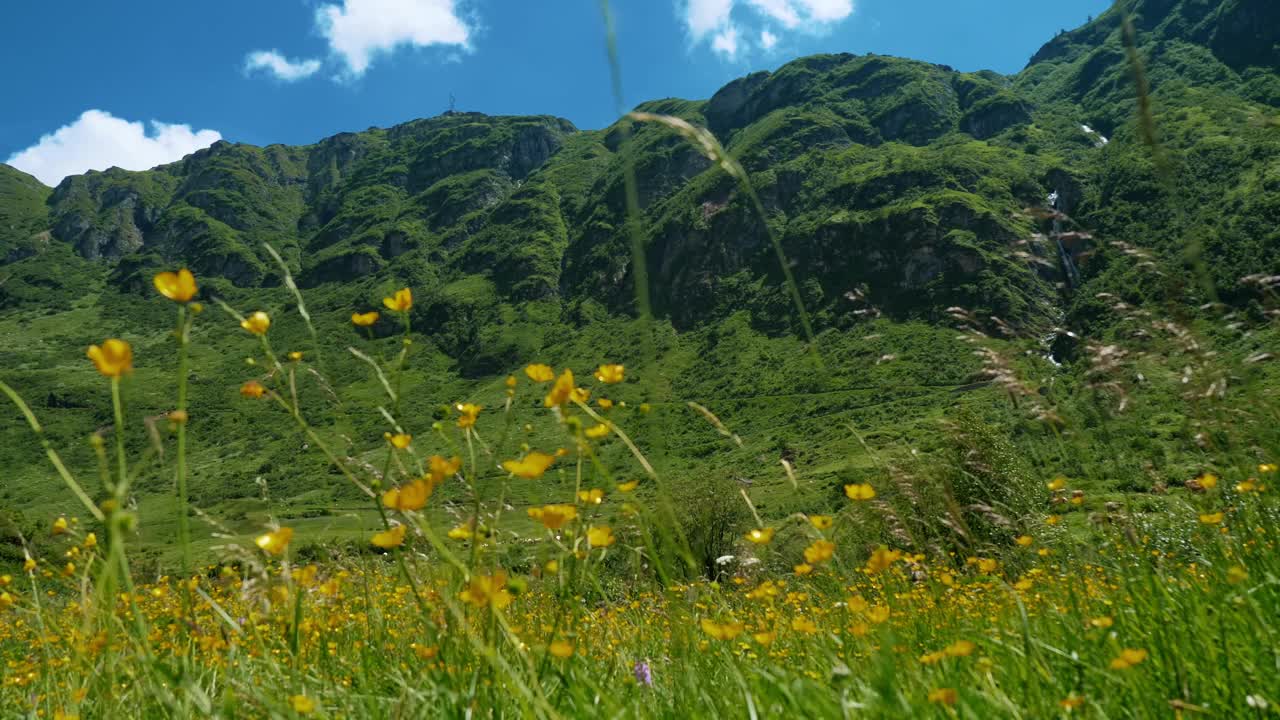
<point x="865" y="388"/>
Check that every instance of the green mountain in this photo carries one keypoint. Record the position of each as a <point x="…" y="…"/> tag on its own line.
<point x="899" y="190"/>
<point x="23" y="214"/>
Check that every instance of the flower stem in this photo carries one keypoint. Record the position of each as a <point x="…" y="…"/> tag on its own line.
<point x="122" y="483"/>
<point x="184" y="530"/>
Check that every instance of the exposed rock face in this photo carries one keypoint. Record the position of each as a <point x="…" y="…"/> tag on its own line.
<point x="994" y="116"/>
<point x="106" y="217"/>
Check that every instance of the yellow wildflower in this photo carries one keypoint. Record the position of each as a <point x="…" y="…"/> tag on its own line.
<point x="767" y="590"/>
<point x="561" y="391"/>
<point x="761" y="536"/>
<point x="402" y="301"/>
<point x="561" y="649"/>
<point x="60" y="526"/>
<point x="860" y="491"/>
<point x="487" y="591"/>
<point x="424" y="652"/>
<point x="410" y="496"/>
<point x="274" y="542"/>
<point x="399" y="441"/>
<point x="721" y="631"/>
<point x="881" y="558"/>
<point x="821" y="522"/>
<point x="1211" y="518"/>
<point x="302" y="704"/>
<point x="364" y="319"/>
<point x="1057" y="484"/>
<point x="253" y="389"/>
<point x="531" y="466"/>
<point x="960" y="648"/>
<point x="1127" y="658"/>
<point x="440" y="469"/>
<point x="604" y="403"/>
<point x="598" y="431"/>
<point x="1208" y="481"/>
<point x="178" y="287"/>
<point x="600" y="536"/>
<point x="610" y="374"/>
<point x="388" y="539"/>
<point x="304" y="576"/>
<point x="113" y="358"/>
<point x="467" y="414"/>
<point x="540" y="373"/>
<point x="1102" y="622"/>
<point x="628" y="486"/>
<point x="878" y="614"/>
<point x="594" y="496"/>
<point x="257" y="323"/>
<point x="1237" y="574"/>
<point x="553" y="517"/>
<point x="819" y="552"/>
<point x="804" y="625"/>
<point x="1024" y="540"/>
<point x="803" y="569"/>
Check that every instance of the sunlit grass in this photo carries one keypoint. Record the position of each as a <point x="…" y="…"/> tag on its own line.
<point x="489" y="575"/>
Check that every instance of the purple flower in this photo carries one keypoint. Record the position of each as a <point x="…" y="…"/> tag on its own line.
<point x="643" y="674"/>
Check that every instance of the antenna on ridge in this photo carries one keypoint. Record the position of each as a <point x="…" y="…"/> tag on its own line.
<point x="453" y="102"/>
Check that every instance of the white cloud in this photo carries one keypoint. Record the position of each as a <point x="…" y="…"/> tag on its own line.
<point x="280" y="66"/>
<point x="718" y="20"/>
<point x="827" y="11"/>
<point x="782" y="11"/>
<point x="726" y="42"/>
<point x="705" y="16"/>
<point x="360" y="30"/>
<point x="98" y="140"/>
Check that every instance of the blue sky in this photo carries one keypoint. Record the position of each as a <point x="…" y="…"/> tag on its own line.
<point x="137" y="83"/>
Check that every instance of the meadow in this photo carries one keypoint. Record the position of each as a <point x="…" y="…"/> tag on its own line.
<point x="994" y="588"/>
